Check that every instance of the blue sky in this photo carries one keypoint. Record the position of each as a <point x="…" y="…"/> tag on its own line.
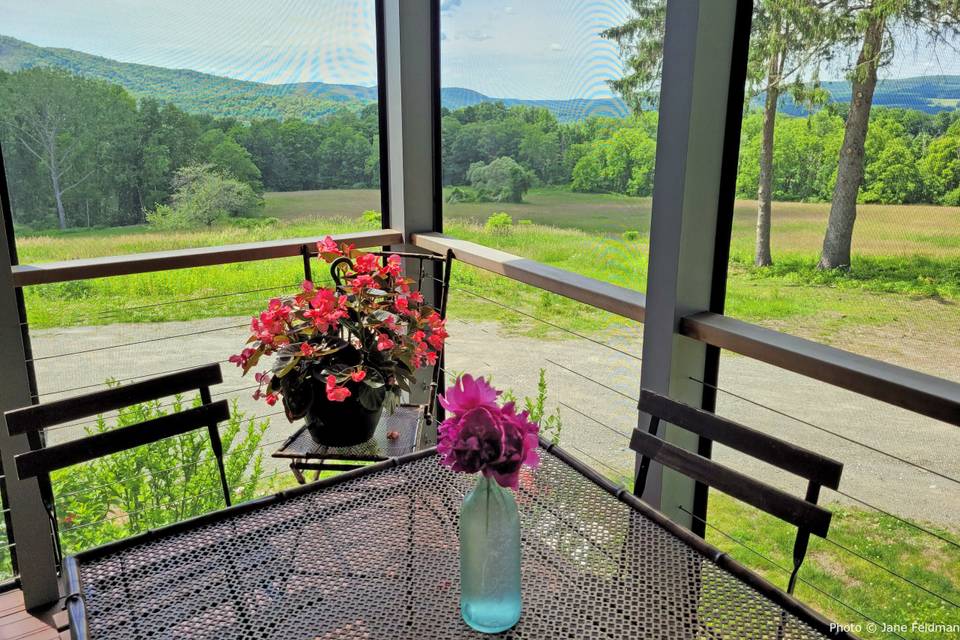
<point x="512" y="48"/>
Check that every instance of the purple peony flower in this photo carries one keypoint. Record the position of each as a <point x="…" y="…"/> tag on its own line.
<point x="481" y="436"/>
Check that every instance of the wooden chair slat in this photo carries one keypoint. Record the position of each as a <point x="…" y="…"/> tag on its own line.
<point x="41" y="461"/>
<point x="778" y="503"/>
<point x="780" y="453"/>
<point x="41" y="416"/>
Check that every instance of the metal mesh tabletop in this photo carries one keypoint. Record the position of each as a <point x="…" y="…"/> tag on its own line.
<point x="405" y="423"/>
<point x="375" y="556"/>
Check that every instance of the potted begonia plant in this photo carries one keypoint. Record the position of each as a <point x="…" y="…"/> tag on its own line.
<point x="342" y="354"/>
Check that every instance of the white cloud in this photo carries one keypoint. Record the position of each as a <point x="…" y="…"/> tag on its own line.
<point x="473" y="35"/>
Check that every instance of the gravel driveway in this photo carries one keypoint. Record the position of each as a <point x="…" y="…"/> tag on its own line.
<point x="596" y="419"/>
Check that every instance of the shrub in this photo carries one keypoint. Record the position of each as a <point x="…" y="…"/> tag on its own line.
<point x="499" y="223"/>
<point x="525" y="222"/>
<point x="631" y="236"/>
<point x="202" y="195"/>
<point x="503" y="180"/>
<point x="461" y="194"/>
<point x="371" y="218"/>
<point x="551" y="424"/>
<point x="157" y="484"/>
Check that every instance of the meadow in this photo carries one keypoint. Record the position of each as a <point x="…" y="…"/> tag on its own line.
<point x="904" y="284"/>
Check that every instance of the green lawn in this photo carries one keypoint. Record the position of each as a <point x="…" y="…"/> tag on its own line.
<point x="830" y="572"/>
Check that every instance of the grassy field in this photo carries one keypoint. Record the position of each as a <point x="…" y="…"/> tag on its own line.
<point x="905" y="282"/>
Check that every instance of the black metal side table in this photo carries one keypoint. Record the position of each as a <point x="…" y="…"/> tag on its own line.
<point x="397" y="434"/>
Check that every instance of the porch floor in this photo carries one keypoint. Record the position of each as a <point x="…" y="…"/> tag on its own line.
<point x="17" y="624"/>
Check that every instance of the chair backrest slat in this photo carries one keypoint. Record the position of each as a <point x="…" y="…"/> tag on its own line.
<point x="41" y="416"/>
<point x="780" y="453"/>
<point x="42" y="461"/>
<point x="778" y="503"/>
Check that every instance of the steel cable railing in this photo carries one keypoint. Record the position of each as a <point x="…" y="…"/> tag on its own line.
<point x="137" y="342"/>
<point x="545" y="322"/>
<point x="129" y="379"/>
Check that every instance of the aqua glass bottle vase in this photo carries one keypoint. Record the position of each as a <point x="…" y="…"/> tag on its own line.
<point x="489" y="558"/>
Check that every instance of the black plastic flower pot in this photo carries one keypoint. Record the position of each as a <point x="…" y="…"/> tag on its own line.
<point x="341" y="424"/>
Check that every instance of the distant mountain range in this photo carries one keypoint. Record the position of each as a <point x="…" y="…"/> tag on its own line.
<point x="923" y="93"/>
<point x="198" y="92"/>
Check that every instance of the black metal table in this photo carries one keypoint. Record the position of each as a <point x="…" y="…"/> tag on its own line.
<point x="397" y="434"/>
<point x="373" y="553"/>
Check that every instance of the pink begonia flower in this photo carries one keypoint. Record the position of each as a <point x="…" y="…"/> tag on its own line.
<point x="328" y="245"/>
<point x="271" y="399"/>
<point x="306" y="349"/>
<point x="481" y="436"/>
<point x="384" y="342"/>
<point x="307" y="286"/>
<point x="363" y="281"/>
<point x="358" y="376"/>
<point x="366" y="263"/>
<point x="393" y="266"/>
<point x="241" y="358"/>
<point x="335" y="393"/>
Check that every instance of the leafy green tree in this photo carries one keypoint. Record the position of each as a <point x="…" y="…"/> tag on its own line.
<point x="61" y="120"/>
<point x="941" y="167"/>
<point x="870" y="24"/>
<point x="342" y="155"/>
<point x="226" y="154"/>
<point x="503" y="180"/>
<point x="298" y="155"/>
<point x="891" y="174"/>
<point x="540" y="152"/>
<point x="202" y="196"/>
<point x="786" y="34"/>
<point x="803" y="156"/>
<point x="622" y="163"/>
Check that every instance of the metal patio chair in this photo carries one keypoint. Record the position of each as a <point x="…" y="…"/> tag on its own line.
<point x="819" y="471"/>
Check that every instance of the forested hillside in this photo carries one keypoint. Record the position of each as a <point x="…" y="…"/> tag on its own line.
<point x="217" y="96"/>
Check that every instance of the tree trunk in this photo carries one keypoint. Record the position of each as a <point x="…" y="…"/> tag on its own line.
<point x="843" y="209"/>
<point x="57" y="192"/>
<point x="762" y="256"/>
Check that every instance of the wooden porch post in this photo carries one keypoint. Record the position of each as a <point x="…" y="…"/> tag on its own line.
<point x="701" y="104"/>
<point x="28" y="518"/>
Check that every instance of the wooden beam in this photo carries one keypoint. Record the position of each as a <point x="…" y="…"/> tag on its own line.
<point x="924" y="394"/>
<point x="38" y="417"/>
<point x="44" y="273"/>
<point x="596" y="293"/>
<point x="780" y="453"/>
